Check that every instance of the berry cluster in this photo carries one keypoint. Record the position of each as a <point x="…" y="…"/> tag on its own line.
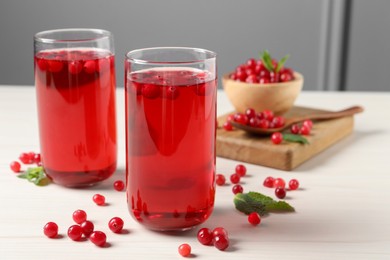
<point x="217" y="237"/>
<point x="280" y="185"/>
<point x="235" y="178"/>
<point x="263" y="71"/>
<point x="303" y="129"/>
<point x="84" y="228"/>
<point x="26" y="158"/>
<point x="264" y="119"/>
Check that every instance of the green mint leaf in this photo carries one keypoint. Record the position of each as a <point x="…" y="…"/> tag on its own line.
<point x="295" y="138"/>
<point x="267" y="60"/>
<point x="35" y="175"/>
<point x="281" y="63"/>
<point x="22" y="176"/>
<point x="260" y="203"/>
<point x="247" y="205"/>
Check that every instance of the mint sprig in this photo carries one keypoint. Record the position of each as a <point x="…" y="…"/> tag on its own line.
<point x="262" y="204"/>
<point x="266" y="58"/>
<point x="35" y="175"/>
<point x="295" y="138"/>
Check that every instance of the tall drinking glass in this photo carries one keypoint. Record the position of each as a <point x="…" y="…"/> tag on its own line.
<point x="75" y="87"/>
<point x="170" y="136"/>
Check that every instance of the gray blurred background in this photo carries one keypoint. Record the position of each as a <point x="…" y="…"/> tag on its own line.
<point x="336" y="44"/>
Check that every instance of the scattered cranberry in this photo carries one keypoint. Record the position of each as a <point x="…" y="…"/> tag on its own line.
<point x="119" y="185"/>
<point x="308" y="123"/>
<point x="277" y="138"/>
<point x="79" y="216"/>
<point x="219" y="231"/>
<point x="25" y="158"/>
<point x="237" y="189"/>
<point x="116" y="224"/>
<point x="220" y="179"/>
<point x="87" y="228"/>
<point x="50" y="229"/>
<point x="227" y="126"/>
<point x="293" y="184"/>
<point x="184" y="250"/>
<point x="75" y="232"/>
<point x="305" y="130"/>
<point x="241" y="170"/>
<point x="254" y="218"/>
<point x="278" y="121"/>
<point x="280" y="193"/>
<point x="279" y="183"/>
<point x="221" y="242"/>
<point x="294" y="129"/>
<point x="99" y="199"/>
<point x="269" y="182"/>
<point x="235" y="178"/>
<point x="98" y="238"/>
<point x="205" y="237"/>
<point x="15" y="166"/>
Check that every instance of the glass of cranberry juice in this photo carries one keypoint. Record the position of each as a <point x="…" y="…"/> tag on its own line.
<point x="75" y="87"/>
<point x="170" y="136"/>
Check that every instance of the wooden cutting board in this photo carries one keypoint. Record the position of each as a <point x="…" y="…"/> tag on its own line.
<point x="241" y="146"/>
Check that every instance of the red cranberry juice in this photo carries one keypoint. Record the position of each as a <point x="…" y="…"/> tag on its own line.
<point x="171" y="120"/>
<point x="76" y="111"/>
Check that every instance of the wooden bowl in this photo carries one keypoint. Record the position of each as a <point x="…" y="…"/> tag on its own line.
<point x="278" y="97"/>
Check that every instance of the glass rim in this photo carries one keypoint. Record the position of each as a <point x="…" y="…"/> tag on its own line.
<point x="43" y="36"/>
<point x="212" y="55"/>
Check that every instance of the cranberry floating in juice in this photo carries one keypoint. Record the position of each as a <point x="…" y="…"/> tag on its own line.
<point x="170" y="122"/>
<point x="75" y="86"/>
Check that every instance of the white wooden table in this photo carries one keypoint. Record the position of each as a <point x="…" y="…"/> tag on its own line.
<point x="342" y="211"/>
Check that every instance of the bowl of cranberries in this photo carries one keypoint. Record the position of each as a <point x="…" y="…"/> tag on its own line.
<point x="264" y="84"/>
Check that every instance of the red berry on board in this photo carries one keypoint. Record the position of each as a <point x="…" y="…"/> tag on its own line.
<point x="87" y="228"/>
<point x="99" y="238"/>
<point x="50" y="229"/>
<point x="79" y="216"/>
<point x="294" y="129"/>
<point x="304" y="130"/>
<point x="15" y="166"/>
<point x="184" y="250"/>
<point x="241" y="170"/>
<point x="279" y="183"/>
<point x="119" y="185"/>
<point x="234" y="178"/>
<point x="269" y="182"/>
<point x="205" y="236"/>
<point x="227" y="126"/>
<point x="293" y="184"/>
<point x="237" y="189"/>
<point x="277" y="138"/>
<point x="220" y="179"/>
<point x="116" y="224"/>
<point x="308" y="123"/>
<point x="280" y="193"/>
<point x="278" y="121"/>
<point x="221" y="242"/>
<point x="254" y="218"/>
<point x="99" y="199"/>
<point x="75" y="232"/>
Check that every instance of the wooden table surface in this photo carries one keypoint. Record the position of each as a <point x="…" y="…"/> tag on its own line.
<point x="342" y="210"/>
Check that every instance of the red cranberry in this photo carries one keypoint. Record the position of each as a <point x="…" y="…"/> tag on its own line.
<point x="230" y="118"/>
<point x="98" y="238"/>
<point x="278" y="121"/>
<point x="55" y="65"/>
<point x="294" y="129"/>
<point x="251" y="63"/>
<point x="151" y="91"/>
<point x="116" y="224"/>
<point x="184" y="250"/>
<point x="79" y="216"/>
<point x="250" y="112"/>
<point x="119" y="185"/>
<point x="241" y="118"/>
<point x="99" y="199"/>
<point x="25" y="158"/>
<point x="227" y="126"/>
<point x="233" y="76"/>
<point x="219" y="231"/>
<point x="241" y="170"/>
<point x="235" y="178"/>
<point x="220" y="179"/>
<point x="221" y="242"/>
<point x="42" y="64"/>
<point x="90" y="66"/>
<point x="75" y="232"/>
<point x="264" y="80"/>
<point x="254" y="218"/>
<point x="285" y="77"/>
<point x="308" y="123"/>
<point x="15" y="166"/>
<point x="280" y="193"/>
<point x="254" y="122"/>
<point x="75" y="67"/>
<point x="50" y="229"/>
<point x="37" y="158"/>
<point x="304" y="130"/>
<point x="293" y="184"/>
<point x="276" y="138"/>
<point x="87" y="228"/>
<point x="241" y="75"/>
<point x="268" y="115"/>
<point x="237" y="189"/>
<point x="264" y="124"/>
<point x="279" y="183"/>
<point x="252" y="78"/>
<point x="205" y="237"/>
<point x="269" y="182"/>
